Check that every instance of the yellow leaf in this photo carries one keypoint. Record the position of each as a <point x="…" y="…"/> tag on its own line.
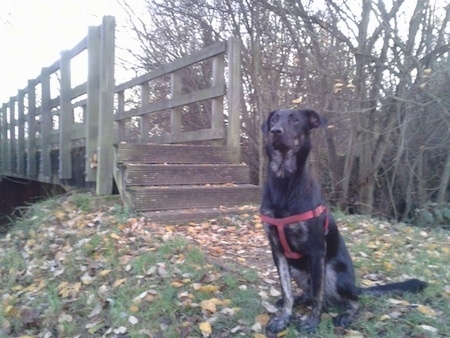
<point x="426" y="310"/>
<point x="134" y="308"/>
<point x="388" y="266"/>
<point x="205" y="327"/>
<point x="104" y="272"/>
<point x="384" y="318"/>
<point x="258" y="335"/>
<point x="209" y="305"/>
<point x="208" y="288"/>
<point x="226" y="302"/>
<point x="282" y="333"/>
<point x="367" y="282"/>
<point x="115" y="236"/>
<point x="263" y="319"/>
<point x="11" y="311"/>
<point x="119" y="282"/>
<point x="177" y="284"/>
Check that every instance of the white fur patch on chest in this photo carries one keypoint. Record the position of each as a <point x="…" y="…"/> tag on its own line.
<point x="283" y="163"/>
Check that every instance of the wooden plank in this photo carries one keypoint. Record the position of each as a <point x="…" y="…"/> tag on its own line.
<point x="206" y="53"/>
<point x="104" y="180"/>
<point x="217" y="117"/>
<point x="175" y="91"/>
<point x="12" y="136"/>
<point x="93" y="102"/>
<point x="234" y="97"/>
<point x="197" y="215"/>
<point x="46" y="126"/>
<point x="145" y="121"/>
<point x="187" y="197"/>
<point x="189" y="136"/>
<point x="4" y="156"/>
<point x="78" y="48"/>
<point x="183" y="154"/>
<point x="199" y="95"/>
<point x="32" y="165"/>
<point x="80" y="89"/>
<point x="21" y="159"/>
<point x="65" y="119"/>
<point x="185" y="174"/>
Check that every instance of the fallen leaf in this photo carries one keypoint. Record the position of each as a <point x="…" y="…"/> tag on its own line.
<point x="263" y="319"/>
<point x="134" y="308"/>
<point x="429" y="328"/>
<point x="177" y="284"/>
<point x="133" y="320"/>
<point x="96" y="311"/>
<point x="205" y="327"/>
<point x="119" y="282"/>
<point x="209" y="305"/>
<point x="426" y="310"/>
<point x="269" y="307"/>
<point x="208" y="288"/>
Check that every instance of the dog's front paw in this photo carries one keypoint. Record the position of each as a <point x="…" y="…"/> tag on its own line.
<point x="309" y="325"/>
<point x="343" y="320"/>
<point x="278" y="323"/>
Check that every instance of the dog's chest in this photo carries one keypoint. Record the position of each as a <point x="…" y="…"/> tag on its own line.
<point x="296" y="234"/>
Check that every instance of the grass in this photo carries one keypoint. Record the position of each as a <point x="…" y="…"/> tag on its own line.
<point x="79" y="266"/>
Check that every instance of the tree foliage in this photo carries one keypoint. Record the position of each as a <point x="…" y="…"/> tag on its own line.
<point x="379" y="71"/>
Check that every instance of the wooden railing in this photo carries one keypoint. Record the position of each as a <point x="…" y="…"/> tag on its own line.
<point x="41" y="139"/>
<point x="38" y="132"/>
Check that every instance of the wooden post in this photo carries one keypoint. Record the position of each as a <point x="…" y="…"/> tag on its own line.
<point x="106" y="126"/>
<point x="31" y="140"/>
<point x="93" y="102"/>
<point x="12" y="136"/>
<point x="234" y="97"/>
<point x="121" y="125"/>
<point x="218" y="71"/>
<point x="65" y="119"/>
<point x="21" y="133"/>
<point x="46" y="127"/>
<point x="4" y="157"/>
<point x="145" y="99"/>
<point x="175" y="114"/>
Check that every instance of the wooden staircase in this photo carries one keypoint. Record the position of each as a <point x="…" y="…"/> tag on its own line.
<point x="180" y="183"/>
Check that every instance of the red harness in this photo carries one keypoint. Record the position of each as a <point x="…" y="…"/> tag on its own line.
<point x="281" y="223"/>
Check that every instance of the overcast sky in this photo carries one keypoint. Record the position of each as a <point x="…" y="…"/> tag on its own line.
<point x="34" y="32"/>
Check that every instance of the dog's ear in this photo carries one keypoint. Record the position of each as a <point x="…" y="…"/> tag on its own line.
<point x="265" y="125"/>
<point x="314" y="119"/>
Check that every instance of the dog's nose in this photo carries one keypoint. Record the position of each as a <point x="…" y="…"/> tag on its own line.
<point x="276" y="130"/>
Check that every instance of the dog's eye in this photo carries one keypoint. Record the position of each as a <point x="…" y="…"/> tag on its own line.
<point x="294" y="119"/>
<point x="274" y="119"/>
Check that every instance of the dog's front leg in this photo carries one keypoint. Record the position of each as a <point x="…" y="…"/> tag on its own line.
<point x="281" y="321"/>
<point x="317" y="268"/>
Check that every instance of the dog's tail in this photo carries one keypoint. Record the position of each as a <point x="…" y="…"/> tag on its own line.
<point x="411" y="285"/>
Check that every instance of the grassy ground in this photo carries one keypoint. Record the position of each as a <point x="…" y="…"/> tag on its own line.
<point x="81" y="266"/>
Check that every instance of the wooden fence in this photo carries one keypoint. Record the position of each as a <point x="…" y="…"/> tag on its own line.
<point x="41" y="139"/>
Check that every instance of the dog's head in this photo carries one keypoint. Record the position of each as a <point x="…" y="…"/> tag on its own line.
<point x="289" y="129"/>
<point x="288" y="138"/>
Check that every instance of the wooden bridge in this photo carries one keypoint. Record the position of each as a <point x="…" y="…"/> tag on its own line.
<point x="134" y="133"/>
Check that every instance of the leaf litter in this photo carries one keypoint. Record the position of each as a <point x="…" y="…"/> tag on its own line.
<point x="75" y="273"/>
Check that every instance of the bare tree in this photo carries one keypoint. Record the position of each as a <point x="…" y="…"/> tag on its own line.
<point x="380" y="74"/>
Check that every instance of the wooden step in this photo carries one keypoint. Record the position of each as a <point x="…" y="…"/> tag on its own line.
<point x="197" y="215"/>
<point x="189" y="197"/>
<point x="168" y="153"/>
<point x="185" y="174"/>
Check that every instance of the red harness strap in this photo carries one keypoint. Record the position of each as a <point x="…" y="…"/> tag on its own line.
<point x="281" y="223"/>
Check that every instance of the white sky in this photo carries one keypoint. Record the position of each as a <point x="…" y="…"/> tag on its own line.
<point x="34" y="32"/>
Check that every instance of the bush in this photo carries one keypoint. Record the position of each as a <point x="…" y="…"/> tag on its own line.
<point x="433" y="214"/>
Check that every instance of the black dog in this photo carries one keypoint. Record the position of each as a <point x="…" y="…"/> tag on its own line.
<point x="305" y="241"/>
